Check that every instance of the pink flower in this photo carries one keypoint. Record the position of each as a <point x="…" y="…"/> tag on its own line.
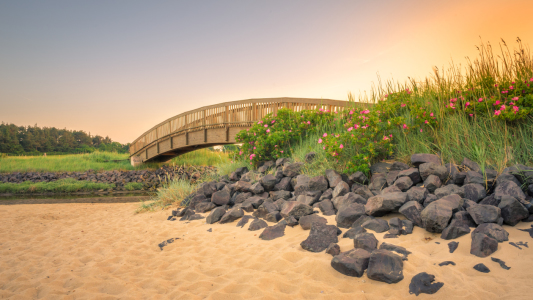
<point x="515" y="108"/>
<point x="480" y="100"/>
<point x="290" y="130"/>
<point x="240" y="152"/>
<point x="320" y="141"/>
<point x="281" y="151"/>
<point x="390" y="135"/>
<point x="404" y="126"/>
<point x="515" y="98"/>
<point x="356" y="126"/>
<point x="420" y="129"/>
<point x="324" y="148"/>
<point x="260" y="122"/>
<point x="531" y="79"/>
<point x="254" y="148"/>
<point x="325" y="135"/>
<point x="268" y="130"/>
<point x="351" y="112"/>
<point x="402" y="105"/>
<point x="273" y="121"/>
<point x="350" y="129"/>
<point x="502" y="107"/>
<point x="505" y="92"/>
<point x="511" y="87"/>
<point x="254" y="134"/>
<point x="495" y="85"/>
<point x="250" y="162"/>
<point x="497" y="102"/>
<point x="308" y="122"/>
<point x="431" y="114"/>
<point x="467" y="104"/>
<point x="366" y="111"/>
<point x="471" y="115"/>
<point x="426" y="121"/>
<point x="511" y="103"/>
<point x="341" y="146"/>
<point x="266" y="125"/>
<point x="385" y="138"/>
<point x="497" y="112"/>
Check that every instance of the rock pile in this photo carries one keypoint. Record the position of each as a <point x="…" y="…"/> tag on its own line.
<point x="447" y="199"/>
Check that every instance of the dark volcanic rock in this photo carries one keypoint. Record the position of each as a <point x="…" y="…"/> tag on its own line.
<point x="292" y="170"/>
<point x="296" y="209"/>
<point x="283" y="185"/>
<point x="391" y="177"/>
<point x="512" y="210"/>
<point x="273" y="232"/>
<point x="432" y="183"/>
<point x="291" y="221"/>
<point x="318" y="183"/>
<point x="268" y="207"/>
<point x="474" y="177"/>
<point x="530" y="231"/>
<point x="257" y="188"/>
<point x="197" y="200"/>
<point x="342" y="201"/>
<point x="378" y="182"/>
<point x="366" y="241"/>
<point x="427" y="169"/>
<point x="501" y="262"/>
<point x="320" y="237"/>
<point x="395" y="226"/>
<point x="484" y="213"/>
<point x="407" y="227"/>
<point x="423" y="283"/>
<point x="417" y="194"/>
<point x="490" y="200"/>
<point x="221" y="197"/>
<point x="244" y="221"/>
<point x="327" y="208"/>
<point x="470" y="165"/>
<point x="481" y="268"/>
<point x="377" y="225"/>
<point x="453" y="246"/>
<point x="352" y="232"/>
<point x="404" y="183"/>
<point x="412" y="173"/>
<point x="215" y="215"/>
<point x="508" y="188"/>
<point x="341" y="189"/>
<point x="333" y="177"/>
<point x="364" y="192"/>
<point x="258" y="224"/>
<point x="390" y="236"/>
<point x="351" y="263"/>
<point x="435" y="216"/>
<point x="276" y="195"/>
<point x="483" y="245"/>
<point x="273" y="217"/>
<point x="243" y="186"/>
<point x="448" y="262"/>
<point x="398" y="249"/>
<point x="385" y="266"/>
<point x="306" y="221"/>
<point x="204" y="207"/>
<point x="398" y="166"/>
<point x="232" y="215"/>
<point x="456" y="229"/>
<point x="380" y="167"/>
<point x="411" y="210"/>
<point x="349" y="214"/>
<point x="268" y="182"/>
<point x="474" y="192"/>
<point x="492" y="230"/>
<point x="449" y="189"/>
<point x="358" y="177"/>
<point x="420" y="158"/>
<point x="465" y="217"/>
<point x="333" y="249"/>
<point x="380" y="205"/>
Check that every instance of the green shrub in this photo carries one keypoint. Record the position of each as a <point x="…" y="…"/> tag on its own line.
<point x="133" y="186"/>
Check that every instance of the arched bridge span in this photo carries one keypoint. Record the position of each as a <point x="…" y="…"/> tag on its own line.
<point x="213" y="125"/>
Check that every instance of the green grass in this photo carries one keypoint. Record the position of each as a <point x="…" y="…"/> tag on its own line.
<point x="98" y="161"/>
<point x="202" y="157"/>
<point x="68" y="185"/>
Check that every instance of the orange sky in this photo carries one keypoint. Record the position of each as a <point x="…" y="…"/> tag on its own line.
<point x="118" y="68"/>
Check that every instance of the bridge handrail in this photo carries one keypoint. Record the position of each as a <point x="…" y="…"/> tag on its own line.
<point x="234" y="113"/>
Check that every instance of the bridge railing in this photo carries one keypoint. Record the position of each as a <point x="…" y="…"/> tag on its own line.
<point x="228" y="114"/>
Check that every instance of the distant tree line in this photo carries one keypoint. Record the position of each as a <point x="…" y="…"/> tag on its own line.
<point x="21" y="140"/>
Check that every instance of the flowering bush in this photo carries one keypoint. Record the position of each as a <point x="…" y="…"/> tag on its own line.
<point x="271" y="138"/>
<point x="508" y="102"/>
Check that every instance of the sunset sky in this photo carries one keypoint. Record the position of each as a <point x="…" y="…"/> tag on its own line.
<point x="117" y="68"/>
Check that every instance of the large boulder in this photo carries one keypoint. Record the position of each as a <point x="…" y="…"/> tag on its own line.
<point x="391" y="177"/>
<point x="412" y="173"/>
<point x="474" y="177"/>
<point x="512" y="210"/>
<point x="320" y="237"/>
<point x="215" y="215"/>
<point x="307" y="221"/>
<point x="457" y="228"/>
<point x="358" y="177"/>
<point x="276" y="195"/>
<point x="417" y="193"/>
<point x="327" y="208"/>
<point x="257" y="188"/>
<point x="484" y="213"/>
<point x="427" y="169"/>
<point x="296" y="209"/>
<point x="273" y="232"/>
<point x="474" y="192"/>
<point x="268" y="182"/>
<point x="349" y="214"/>
<point x="377" y="225"/>
<point x="318" y="183"/>
<point x="509" y="188"/>
<point x="449" y="189"/>
<point x="364" y="192"/>
<point x="436" y="216"/>
<point x="366" y="241"/>
<point x="302" y="185"/>
<point x="411" y="210"/>
<point x="243" y="186"/>
<point x="347" y="199"/>
<point x="232" y="215"/>
<point x="385" y="266"/>
<point x="492" y="230"/>
<point x="423" y="283"/>
<point x="420" y="158"/>
<point x="378" y="182"/>
<point x="341" y="189"/>
<point x="351" y="263"/>
<point x="209" y="188"/>
<point x="257" y="224"/>
<point x="283" y="185"/>
<point x="380" y="167"/>
<point x="404" y="183"/>
<point x="432" y="182"/>
<point x="391" y="189"/>
<point x="204" y="207"/>
<point x="333" y="177"/>
<point x="292" y="170"/>
<point x="470" y="165"/>
<point x="483" y="245"/>
<point x="380" y="205"/>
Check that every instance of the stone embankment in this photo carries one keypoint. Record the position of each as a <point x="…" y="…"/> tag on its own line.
<point x="150" y="179"/>
<point x="452" y="200"/>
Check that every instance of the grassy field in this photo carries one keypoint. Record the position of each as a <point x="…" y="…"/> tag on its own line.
<point x="68" y="185"/>
<point x="202" y="157"/>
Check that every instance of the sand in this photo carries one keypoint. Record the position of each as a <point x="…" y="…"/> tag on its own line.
<point x="105" y="251"/>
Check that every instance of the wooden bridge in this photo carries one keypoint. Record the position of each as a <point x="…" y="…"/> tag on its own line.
<point x="213" y="125"/>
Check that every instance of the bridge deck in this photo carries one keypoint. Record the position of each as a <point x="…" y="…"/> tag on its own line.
<point x="214" y="125"/>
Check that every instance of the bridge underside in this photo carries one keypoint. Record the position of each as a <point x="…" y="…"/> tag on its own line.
<point x="167" y="148"/>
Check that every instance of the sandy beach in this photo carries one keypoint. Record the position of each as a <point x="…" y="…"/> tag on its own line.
<point x="105" y="251"/>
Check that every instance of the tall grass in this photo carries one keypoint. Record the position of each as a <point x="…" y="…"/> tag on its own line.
<point x="68" y="185"/>
<point x="98" y="161"/>
<point x="202" y="157"/>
